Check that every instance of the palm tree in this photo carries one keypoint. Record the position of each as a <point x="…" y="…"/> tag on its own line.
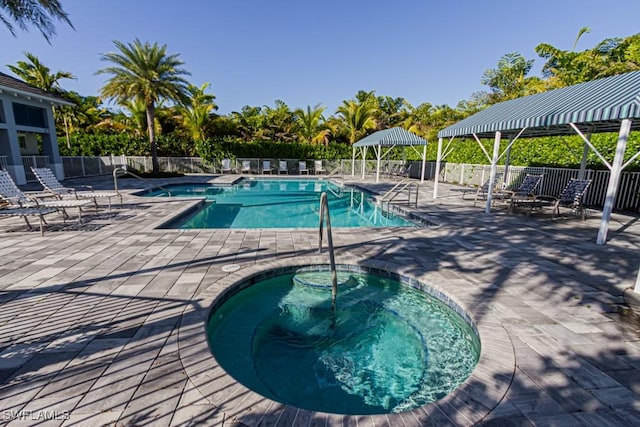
<point x="197" y="112"/>
<point x="38" y="13"/>
<point x="145" y="72"/>
<point x="311" y="124"/>
<point x="39" y="75"/>
<point x="358" y="118"/>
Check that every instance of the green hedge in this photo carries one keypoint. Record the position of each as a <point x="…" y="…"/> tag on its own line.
<point x="545" y="151"/>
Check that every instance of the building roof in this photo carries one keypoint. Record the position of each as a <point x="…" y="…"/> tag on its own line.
<point x="15" y="86"/>
<point x="389" y="137"/>
<point x="594" y="107"/>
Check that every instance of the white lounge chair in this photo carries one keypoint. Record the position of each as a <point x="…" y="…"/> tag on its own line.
<point x="226" y="166"/>
<point x="246" y="166"/>
<point x="282" y="167"/>
<point x="318" y="167"/>
<point x="52" y="185"/>
<point x="16" y="199"/>
<point x="266" y="166"/>
<point x="302" y="168"/>
<point x="26" y="212"/>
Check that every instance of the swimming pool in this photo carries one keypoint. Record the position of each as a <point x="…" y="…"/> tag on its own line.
<point x="278" y="203"/>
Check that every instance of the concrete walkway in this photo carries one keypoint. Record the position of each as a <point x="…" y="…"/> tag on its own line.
<point x="99" y="322"/>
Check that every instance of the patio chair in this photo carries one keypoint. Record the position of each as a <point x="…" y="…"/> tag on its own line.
<point x="52" y="185"/>
<point x="525" y="195"/>
<point x="246" y="166"/>
<point x="266" y="166"/>
<point x="571" y="198"/>
<point x="318" y="169"/>
<point x="226" y="166"/>
<point x="16" y="199"/>
<point x="483" y="191"/>
<point x="282" y="167"/>
<point x="302" y="168"/>
<point x="27" y="212"/>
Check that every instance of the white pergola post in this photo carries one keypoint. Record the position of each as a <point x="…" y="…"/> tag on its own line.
<point x="507" y="163"/>
<point x="353" y="162"/>
<point x="364" y="161"/>
<point x="437" y="174"/>
<point x="614" y="180"/>
<point x="378" y="155"/>
<point x="492" y="176"/>
<point x="583" y="161"/>
<point x="424" y="163"/>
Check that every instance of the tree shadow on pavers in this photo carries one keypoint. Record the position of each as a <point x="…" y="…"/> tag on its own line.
<point x="583" y="386"/>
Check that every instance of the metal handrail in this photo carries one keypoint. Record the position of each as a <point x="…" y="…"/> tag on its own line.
<point x="127" y="172"/>
<point x="324" y="207"/>
<point x="400" y="187"/>
<point x="335" y="171"/>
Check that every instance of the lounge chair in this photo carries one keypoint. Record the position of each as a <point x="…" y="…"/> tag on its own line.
<point x="282" y="167"/>
<point x="266" y="166"/>
<point x="571" y="198"/>
<point x="27" y="212"/>
<point x="246" y="166"/>
<point x="16" y="199"/>
<point x="482" y="191"/>
<point x="525" y="195"/>
<point x="52" y="185"/>
<point x="226" y="166"/>
<point x="318" y="169"/>
<point x="302" y="168"/>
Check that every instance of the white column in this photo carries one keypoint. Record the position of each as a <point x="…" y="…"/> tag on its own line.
<point x="379" y="155"/>
<point x="507" y="163"/>
<point x="424" y="163"/>
<point x="437" y="174"/>
<point x="492" y="176"/>
<point x="583" y="162"/>
<point x="364" y="161"/>
<point x="353" y="162"/>
<point x="614" y="180"/>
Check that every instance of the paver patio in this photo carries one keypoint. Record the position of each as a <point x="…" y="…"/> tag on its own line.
<point x="99" y="322"/>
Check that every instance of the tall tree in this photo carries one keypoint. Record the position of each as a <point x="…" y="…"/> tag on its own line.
<point x="37" y="13"/>
<point x="358" y="118"/>
<point x="508" y="81"/>
<point x="144" y="71"/>
<point x="311" y="126"/>
<point x="197" y="111"/>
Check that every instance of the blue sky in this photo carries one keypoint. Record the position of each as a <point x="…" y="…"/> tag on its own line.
<point x="306" y="53"/>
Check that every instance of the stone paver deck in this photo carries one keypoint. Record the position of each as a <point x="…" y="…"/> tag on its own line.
<point x="101" y="322"/>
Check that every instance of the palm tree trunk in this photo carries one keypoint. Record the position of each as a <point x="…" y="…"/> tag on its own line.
<point x="152" y="138"/>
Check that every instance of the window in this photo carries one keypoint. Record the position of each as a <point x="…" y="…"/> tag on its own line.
<point x="25" y="115"/>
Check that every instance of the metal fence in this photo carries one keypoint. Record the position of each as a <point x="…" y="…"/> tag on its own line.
<point x="554" y="179"/>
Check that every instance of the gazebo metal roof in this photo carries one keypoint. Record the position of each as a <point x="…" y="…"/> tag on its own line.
<point x="390" y="137"/>
<point x="610" y="104"/>
<point x="594" y="107"/>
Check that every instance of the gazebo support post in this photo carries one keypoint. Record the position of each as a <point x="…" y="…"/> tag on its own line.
<point x="378" y="160"/>
<point x="353" y="162"/>
<point x="583" y="161"/>
<point x="364" y="160"/>
<point x="636" y="289"/>
<point x="492" y="176"/>
<point x="424" y="163"/>
<point x="437" y="172"/>
<point x="614" y="180"/>
<point x="507" y="162"/>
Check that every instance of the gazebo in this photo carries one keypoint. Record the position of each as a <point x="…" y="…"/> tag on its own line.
<point x="383" y="142"/>
<point x="610" y="104"/>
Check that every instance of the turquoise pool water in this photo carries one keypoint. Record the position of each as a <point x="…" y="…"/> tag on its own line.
<point x="278" y="204"/>
<point x="386" y="348"/>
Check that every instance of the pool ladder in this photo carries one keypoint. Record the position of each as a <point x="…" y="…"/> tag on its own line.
<point x="324" y="209"/>
<point x="123" y="171"/>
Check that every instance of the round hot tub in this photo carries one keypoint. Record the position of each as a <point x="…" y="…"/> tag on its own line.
<point x="388" y="344"/>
